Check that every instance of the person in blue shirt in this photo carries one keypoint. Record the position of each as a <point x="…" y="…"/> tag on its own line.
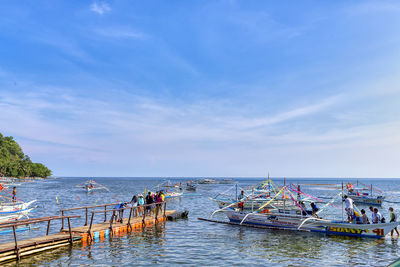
<point x="120" y="207"/>
<point x="315" y="209"/>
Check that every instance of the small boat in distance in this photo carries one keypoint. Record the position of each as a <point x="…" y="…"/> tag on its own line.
<point x="364" y="194"/>
<point x="190" y="187"/>
<point x="207" y="181"/>
<point x="91" y="186"/>
<point x="227" y="181"/>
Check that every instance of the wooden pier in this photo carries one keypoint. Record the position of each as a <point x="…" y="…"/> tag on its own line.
<point x="139" y="217"/>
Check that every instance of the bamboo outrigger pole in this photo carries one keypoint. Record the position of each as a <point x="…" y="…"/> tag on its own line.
<point x="266" y="204"/>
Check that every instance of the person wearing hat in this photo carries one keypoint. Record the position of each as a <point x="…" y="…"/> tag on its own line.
<point x="140" y="203"/>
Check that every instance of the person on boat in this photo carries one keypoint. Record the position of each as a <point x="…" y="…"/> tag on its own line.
<point x="162" y="195"/>
<point x="14" y="194"/>
<point x="377" y="217"/>
<point x="349" y="208"/>
<point x="357" y="218"/>
<point x="303" y="208"/>
<point x="393" y="218"/>
<point x="315" y="209"/>
<point x="240" y="202"/>
<point x="372" y="214"/>
<point x="364" y="217"/>
<point x="241" y="196"/>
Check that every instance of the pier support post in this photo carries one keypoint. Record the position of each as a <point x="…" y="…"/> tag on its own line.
<point x="16" y="244"/>
<point x="129" y="220"/>
<point x="90" y="227"/>
<point x="111" y="222"/>
<point x="62" y="220"/>
<point x="48" y="227"/>
<point x="70" y="232"/>
<point x="86" y="217"/>
<point x="144" y="216"/>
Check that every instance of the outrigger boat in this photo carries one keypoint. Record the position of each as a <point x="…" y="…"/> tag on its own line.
<point x="91" y="186"/>
<point x="256" y="196"/>
<point x="14" y="211"/>
<point x="207" y="181"/>
<point x="364" y="195"/>
<point x="298" y="218"/>
<point x="190" y="187"/>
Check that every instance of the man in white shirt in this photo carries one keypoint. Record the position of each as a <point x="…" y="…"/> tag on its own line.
<point x="373" y="217"/>
<point x="349" y="208"/>
<point x="378" y="216"/>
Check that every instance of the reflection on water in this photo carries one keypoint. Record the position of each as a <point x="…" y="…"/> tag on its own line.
<point x="197" y="242"/>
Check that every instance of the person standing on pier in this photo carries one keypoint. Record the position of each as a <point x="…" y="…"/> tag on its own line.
<point x="149" y="202"/>
<point x="140" y="203"/>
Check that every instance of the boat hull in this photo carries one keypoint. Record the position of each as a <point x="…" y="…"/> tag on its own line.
<point x="293" y="222"/>
<point x="368" y="200"/>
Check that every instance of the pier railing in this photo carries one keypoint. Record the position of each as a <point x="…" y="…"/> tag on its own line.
<point x="86" y="208"/>
<point x="14" y="224"/>
<point x="134" y="211"/>
<point x="118" y="213"/>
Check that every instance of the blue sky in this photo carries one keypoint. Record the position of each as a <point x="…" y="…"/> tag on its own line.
<point x="203" y="88"/>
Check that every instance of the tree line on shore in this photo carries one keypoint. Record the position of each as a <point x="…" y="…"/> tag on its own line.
<point x="14" y="163"/>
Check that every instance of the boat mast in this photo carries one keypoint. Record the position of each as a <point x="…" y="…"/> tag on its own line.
<point x="236" y="192"/>
<point x="342" y="202"/>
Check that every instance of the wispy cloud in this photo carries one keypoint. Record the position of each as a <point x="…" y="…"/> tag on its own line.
<point x="120" y="33"/>
<point x="100" y="8"/>
<point x="80" y="130"/>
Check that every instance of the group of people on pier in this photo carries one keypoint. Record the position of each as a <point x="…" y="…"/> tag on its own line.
<point x="152" y="201"/>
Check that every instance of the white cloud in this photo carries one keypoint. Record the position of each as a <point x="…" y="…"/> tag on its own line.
<point x="100" y="8"/>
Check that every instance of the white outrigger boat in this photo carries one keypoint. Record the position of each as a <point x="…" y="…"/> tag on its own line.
<point x="170" y="190"/>
<point x="14" y="211"/>
<point x="256" y="196"/>
<point x="297" y="218"/>
<point x="285" y="219"/>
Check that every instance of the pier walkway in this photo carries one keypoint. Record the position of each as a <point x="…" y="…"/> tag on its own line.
<point x="85" y="234"/>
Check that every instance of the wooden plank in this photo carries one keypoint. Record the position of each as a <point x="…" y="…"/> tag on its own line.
<point x="37" y="240"/>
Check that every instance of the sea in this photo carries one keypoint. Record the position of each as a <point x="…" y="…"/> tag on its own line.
<point x="194" y="242"/>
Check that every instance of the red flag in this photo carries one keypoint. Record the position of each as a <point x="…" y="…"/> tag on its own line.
<point x="1" y="187"/>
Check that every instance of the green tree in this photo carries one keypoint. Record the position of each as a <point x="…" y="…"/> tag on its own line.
<point x="14" y="163"/>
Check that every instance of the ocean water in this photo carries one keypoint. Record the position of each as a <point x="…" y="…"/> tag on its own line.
<point x="194" y="242"/>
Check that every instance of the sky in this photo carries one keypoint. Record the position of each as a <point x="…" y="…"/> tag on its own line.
<point x="203" y="88"/>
